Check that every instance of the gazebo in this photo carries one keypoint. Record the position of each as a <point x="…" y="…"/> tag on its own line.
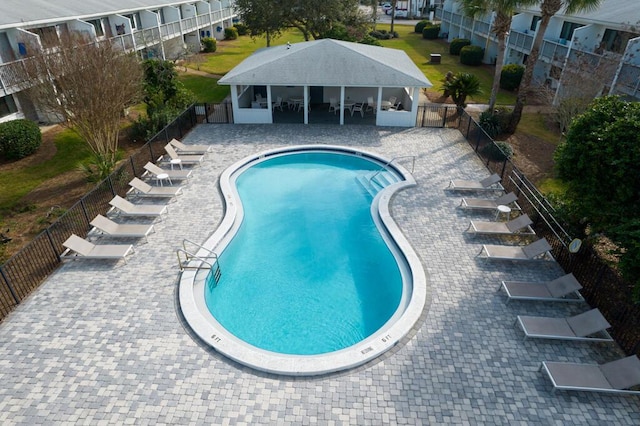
<point x="331" y="73"/>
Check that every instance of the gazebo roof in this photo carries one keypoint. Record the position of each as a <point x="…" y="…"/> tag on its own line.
<point x="328" y="62"/>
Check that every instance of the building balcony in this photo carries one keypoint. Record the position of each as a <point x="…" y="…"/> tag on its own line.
<point x="628" y="82"/>
<point x="13" y="74"/>
<point x="520" y="41"/>
<point x="554" y="51"/>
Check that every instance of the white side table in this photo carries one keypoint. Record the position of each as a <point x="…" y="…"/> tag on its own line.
<point x="161" y="177"/>
<point x="506" y="210"/>
<point x="175" y="161"/>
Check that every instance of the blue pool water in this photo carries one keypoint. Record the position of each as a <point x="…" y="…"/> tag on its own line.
<point x="308" y="271"/>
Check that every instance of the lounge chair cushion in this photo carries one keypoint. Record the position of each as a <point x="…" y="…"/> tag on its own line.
<point x="577" y="375"/>
<point x="536" y="248"/>
<point x="622" y="373"/>
<point x="588" y="323"/>
<point x="564" y="285"/>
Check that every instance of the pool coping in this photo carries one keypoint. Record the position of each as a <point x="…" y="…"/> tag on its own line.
<point x="191" y="284"/>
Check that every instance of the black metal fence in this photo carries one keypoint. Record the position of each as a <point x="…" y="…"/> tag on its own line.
<point x="24" y="271"/>
<point x="602" y="285"/>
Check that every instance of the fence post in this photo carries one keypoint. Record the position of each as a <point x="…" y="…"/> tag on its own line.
<point x="84" y="210"/>
<point x="444" y="118"/>
<point x="113" y="190"/>
<point x="150" y="150"/>
<point x="504" y="166"/>
<point x="133" y="166"/>
<point x="477" y="139"/>
<point x="53" y="246"/>
<point x="8" y="283"/>
<point x="206" y="113"/>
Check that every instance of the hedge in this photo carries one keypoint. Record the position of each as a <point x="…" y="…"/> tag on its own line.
<point x="457" y="44"/>
<point x="431" y="32"/>
<point x="511" y="76"/>
<point x="19" y="138"/>
<point x="471" y="55"/>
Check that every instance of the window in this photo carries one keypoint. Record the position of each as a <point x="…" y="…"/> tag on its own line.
<point x="98" y="27"/>
<point x="135" y="20"/>
<point x="534" y="23"/>
<point x="7" y="106"/>
<point x="48" y="36"/>
<point x="616" y="41"/>
<point x="567" y="30"/>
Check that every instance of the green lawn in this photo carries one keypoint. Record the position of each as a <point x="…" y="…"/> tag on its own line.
<point x="419" y="50"/>
<point x="206" y="89"/>
<point x="71" y="150"/>
<point x="231" y="53"/>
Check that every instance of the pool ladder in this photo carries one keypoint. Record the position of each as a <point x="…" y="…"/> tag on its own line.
<point x="210" y="261"/>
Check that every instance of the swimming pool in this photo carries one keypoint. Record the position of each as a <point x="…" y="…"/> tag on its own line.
<point x="312" y="282"/>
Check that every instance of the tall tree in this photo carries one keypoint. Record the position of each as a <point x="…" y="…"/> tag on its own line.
<point x="87" y="85"/>
<point x="548" y="9"/>
<point x="315" y="17"/>
<point x="262" y="17"/>
<point x="503" y="10"/>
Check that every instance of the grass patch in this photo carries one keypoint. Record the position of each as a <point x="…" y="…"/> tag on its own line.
<point x="537" y="124"/>
<point x="420" y="49"/>
<point x="552" y="186"/>
<point x="206" y="89"/>
<point x="231" y="52"/>
<point x="71" y="150"/>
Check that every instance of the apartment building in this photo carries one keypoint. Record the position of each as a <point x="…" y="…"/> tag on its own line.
<point x="599" y="49"/>
<point x="154" y="28"/>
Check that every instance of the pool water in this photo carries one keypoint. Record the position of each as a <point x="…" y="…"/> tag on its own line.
<point x="307" y="271"/>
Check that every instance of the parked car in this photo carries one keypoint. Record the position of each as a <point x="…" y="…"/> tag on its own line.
<point x="386" y="7"/>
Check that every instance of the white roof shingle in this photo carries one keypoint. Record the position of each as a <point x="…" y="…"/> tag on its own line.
<point x="328" y="62"/>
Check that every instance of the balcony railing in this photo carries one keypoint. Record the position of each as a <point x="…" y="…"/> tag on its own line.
<point x="439" y="13"/>
<point x="553" y="51"/>
<point x="13" y="75"/>
<point x="629" y="80"/>
<point x="520" y="40"/>
<point x="482" y="28"/>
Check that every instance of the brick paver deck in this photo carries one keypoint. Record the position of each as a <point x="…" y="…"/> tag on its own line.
<point x="105" y="344"/>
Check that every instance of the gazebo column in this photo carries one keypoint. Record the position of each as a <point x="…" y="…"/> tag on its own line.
<point x="269" y="102"/>
<point x="341" y="105"/>
<point x="379" y="101"/>
<point x="305" y="99"/>
<point x="415" y="101"/>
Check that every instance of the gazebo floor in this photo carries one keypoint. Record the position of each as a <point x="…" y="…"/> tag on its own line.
<point x="319" y="114"/>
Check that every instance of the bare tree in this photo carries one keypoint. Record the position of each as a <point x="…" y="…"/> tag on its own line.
<point x="87" y="85"/>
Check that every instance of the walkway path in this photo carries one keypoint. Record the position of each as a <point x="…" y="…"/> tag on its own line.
<point x="104" y="344"/>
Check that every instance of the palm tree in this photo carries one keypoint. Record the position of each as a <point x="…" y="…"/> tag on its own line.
<point x="460" y="86"/>
<point x="548" y="9"/>
<point x="503" y="10"/>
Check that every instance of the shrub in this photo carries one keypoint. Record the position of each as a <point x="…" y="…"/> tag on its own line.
<point x="209" y="44"/>
<point x="382" y="35"/>
<point x="420" y="26"/>
<point x="471" y="55"/>
<point x="431" y="32"/>
<point x="457" y="44"/>
<point x="498" y="151"/>
<point x="510" y="76"/>
<point x="495" y="122"/>
<point x="19" y="138"/>
<point x="368" y="39"/>
<point x="242" y="28"/>
<point x="230" y="33"/>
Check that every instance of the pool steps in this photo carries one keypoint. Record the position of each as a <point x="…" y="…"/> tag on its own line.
<point x="374" y="183"/>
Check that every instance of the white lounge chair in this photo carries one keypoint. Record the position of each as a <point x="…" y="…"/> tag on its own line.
<point x="613" y="377"/>
<point x="371" y="105"/>
<point x="79" y="248"/>
<point x="127" y="208"/>
<point x="491" y="183"/>
<point x="190" y="149"/>
<point x="182" y="159"/>
<point x="563" y="289"/>
<point x="538" y="250"/>
<point x="157" y="172"/>
<point x="590" y="326"/>
<point x="113" y="229"/>
<point x="518" y="226"/>
<point x="277" y="104"/>
<point x="484" y="204"/>
<point x="143" y="189"/>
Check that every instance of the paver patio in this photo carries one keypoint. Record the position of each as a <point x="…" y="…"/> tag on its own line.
<point x="105" y="344"/>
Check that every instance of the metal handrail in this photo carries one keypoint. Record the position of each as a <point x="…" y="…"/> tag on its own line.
<point x="184" y="246"/>
<point x="189" y="256"/>
<point x="413" y="163"/>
